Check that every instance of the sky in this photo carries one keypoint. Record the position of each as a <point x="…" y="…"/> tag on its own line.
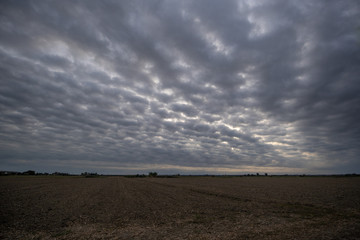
<point x="189" y="87"/>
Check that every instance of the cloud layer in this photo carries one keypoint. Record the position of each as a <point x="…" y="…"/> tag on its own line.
<point x="180" y="86"/>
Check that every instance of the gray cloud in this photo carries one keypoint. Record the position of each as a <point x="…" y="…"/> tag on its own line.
<point x="205" y="86"/>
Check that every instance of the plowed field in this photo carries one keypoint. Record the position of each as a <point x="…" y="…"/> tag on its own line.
<point x="39" y="207"/>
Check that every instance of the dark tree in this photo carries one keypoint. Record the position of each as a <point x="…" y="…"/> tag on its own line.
<point x="153" y="174"/>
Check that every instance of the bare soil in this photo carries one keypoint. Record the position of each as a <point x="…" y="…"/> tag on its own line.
<point x="50" y="207"/>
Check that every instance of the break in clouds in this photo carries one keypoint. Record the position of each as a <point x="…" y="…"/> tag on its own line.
<point x="180" y="86"/>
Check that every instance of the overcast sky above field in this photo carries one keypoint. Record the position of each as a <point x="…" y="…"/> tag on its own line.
<point x="180" y="86"/>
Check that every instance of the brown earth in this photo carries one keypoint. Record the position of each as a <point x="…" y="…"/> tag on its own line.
<point x="39" y="207"/>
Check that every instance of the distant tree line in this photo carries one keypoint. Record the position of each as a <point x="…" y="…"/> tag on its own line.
<point x="31" y="172"/>
<point x="89" y="174"/>
<point x="156" y="175"/>
<point x="152" y="175"/>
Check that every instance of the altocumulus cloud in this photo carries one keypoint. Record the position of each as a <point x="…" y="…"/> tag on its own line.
<point x="180" y="86"/>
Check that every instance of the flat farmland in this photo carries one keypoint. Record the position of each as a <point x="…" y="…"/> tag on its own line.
<point x="52" y="207"/>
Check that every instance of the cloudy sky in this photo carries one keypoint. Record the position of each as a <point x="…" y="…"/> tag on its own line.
<point x="225" y="87"/>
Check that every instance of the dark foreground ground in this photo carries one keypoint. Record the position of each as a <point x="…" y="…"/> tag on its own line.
<point x="52" y="207"/>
